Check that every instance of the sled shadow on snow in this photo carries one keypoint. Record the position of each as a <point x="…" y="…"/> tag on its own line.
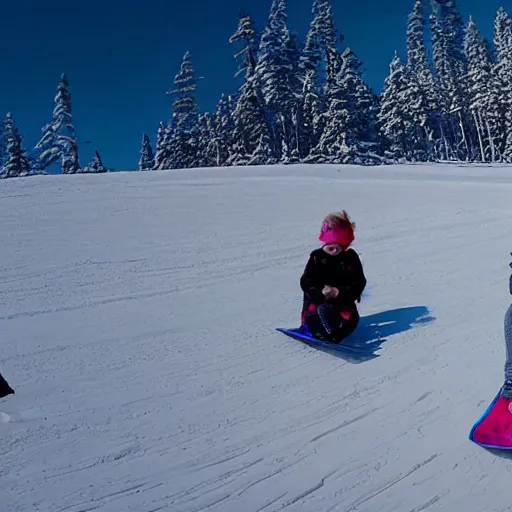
<point x="502" y="454"/>
<point x="374" y="330"/>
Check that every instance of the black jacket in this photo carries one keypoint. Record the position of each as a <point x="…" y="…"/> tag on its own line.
<point x="343" y="271"/>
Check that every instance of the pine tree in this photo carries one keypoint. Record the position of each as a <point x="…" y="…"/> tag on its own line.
<point x="395" y="122"/>
<point x="307" y="115"/>
<point x="3" y="141"/>
<point x="246" y="33"/>
<point x="206" y="154"/>
<point x="416" y="48"/>
<point x="263" y="153"/>
<point x="333" y="61"/>
<point x="334" y="144"/>
<point x="16" y="160"/>
<point x="502" y="82"/>
<point x="320" y="53"/>
<point x="480" y="91"/>
<point x="163" y="149"/>
<point x="223" y="131"/>
<point x="59" y="137"/>
<point x="181" y="136"/>
<point x="69" y="159"/>
<point x="419" y="74"/>
<point x="97" y="163"/>
<point x="241" y="122"/>
<point x="185" y="108"/>
<point x="502" y="33"/>
<point x="146" y="159"/>
<point x="348" y="133"/>
<point x="274" y="74"/>
<point x="450" y="65"/>
<point x="313" y="51"/>
<point x="360" y="99"/>
<point x="291" y="92"/>
<point x="95" y="166"/>
<point x="250" y="125"/>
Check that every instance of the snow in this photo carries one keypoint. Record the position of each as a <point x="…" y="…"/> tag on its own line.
<point x="137" y="326"/>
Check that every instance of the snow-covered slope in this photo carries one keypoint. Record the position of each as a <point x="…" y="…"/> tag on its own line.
<point x="137" y="317"/>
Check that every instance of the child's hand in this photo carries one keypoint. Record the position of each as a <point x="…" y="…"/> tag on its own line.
<point x="330" y="292"/>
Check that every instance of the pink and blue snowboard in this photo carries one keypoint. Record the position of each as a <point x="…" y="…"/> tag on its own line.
<point x="494" y="429"/>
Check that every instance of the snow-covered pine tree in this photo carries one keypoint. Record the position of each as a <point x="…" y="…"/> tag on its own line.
<point x="315" y="63"/>
<point x="333" y="146"/>
<point x="481" y="93"/>
<point x="206" y="150"/>
<point x="313" y="52"/>
<point x="426" y="113"/>
<point x="181" y="137"/>
<point x="291" y="54"/>
<point x="502" y="82"/>
<point x="311" y="55"/>
<point x="95" y="166"/>
<point x="223" y="132"/>
<point x="416" y="47"/>
<point x="16" y="162"/>
<point x="3" y="142"/>
<point x="59" y="137"/>
<point x="69" y="160"/>
<point x="146" y="158"/>
<point x="185" y="108"/>
<point x="395" y="120"/>
<point x="349" y="133"/>
<point x="320" y="55"/>
<point x="162" y="150"/>
<point x="97" y="163"/>
<point x="361" y="100"/>
<point x="307" y="115"/>
<point x="241" y="120"/>
<point x="263" y="153"/>
<point x="502" y="32"/>
<point x="246" y="34"/>
<point x="275" y="67"/>
<point x="250" y="125"/>
<point x="320" y="51"/>
<point x="450" y="65"/>
<point x="311" y="103"/>
<point x="333" y="61"/>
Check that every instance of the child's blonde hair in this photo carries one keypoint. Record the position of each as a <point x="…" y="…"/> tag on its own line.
<point x="339" y="219"/>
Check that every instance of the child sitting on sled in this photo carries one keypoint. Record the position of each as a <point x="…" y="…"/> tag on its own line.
<point x="333" y="282"/>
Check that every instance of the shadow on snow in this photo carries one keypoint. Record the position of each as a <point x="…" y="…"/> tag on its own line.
<point x="374" y="330"/>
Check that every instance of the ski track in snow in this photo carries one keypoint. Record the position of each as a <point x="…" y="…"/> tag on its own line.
<point x="137" y="317"/>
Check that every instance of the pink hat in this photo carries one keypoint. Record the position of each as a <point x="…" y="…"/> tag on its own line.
<point x="341" y="235"/>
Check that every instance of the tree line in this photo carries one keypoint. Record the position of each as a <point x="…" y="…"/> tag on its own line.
<point x="448" y="99"/>
<point x="58" y="143"/>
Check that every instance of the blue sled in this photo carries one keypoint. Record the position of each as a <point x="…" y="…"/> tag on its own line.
<point x="344" y="347"/>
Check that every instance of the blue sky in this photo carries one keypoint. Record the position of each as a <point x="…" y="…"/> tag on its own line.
<point x="121" y="57"/>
